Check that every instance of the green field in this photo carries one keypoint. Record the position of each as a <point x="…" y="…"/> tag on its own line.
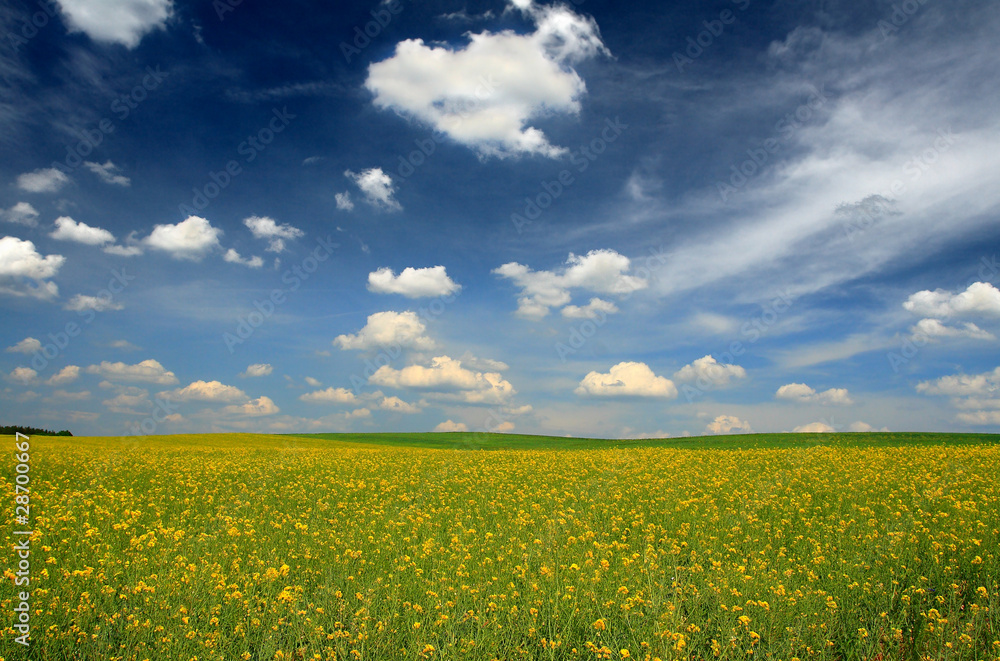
<point x="419" y="546"/>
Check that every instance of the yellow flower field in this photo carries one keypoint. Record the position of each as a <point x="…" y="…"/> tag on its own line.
<point x="253" y="547"/>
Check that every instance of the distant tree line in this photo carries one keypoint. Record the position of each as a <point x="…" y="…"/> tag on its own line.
<point x="32" y="431"/>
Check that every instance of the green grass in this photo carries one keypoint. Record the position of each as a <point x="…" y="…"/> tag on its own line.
<point x="485" y="441"/>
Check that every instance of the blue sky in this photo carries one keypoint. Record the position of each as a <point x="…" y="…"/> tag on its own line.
<point x="586" y="218"/>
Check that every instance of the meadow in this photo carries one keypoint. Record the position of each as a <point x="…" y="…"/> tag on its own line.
<point x="459" y="546"/>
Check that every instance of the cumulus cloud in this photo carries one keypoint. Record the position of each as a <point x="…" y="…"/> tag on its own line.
<point x="358" y="413"/>
<point x="330" y="396"/>
<point x="257" y="369"/>
<point x="190" y="239"/>
<point x="23" y="376"/>
<point x="934" y="328"/>
<point x="728" y="424"/>
<point x="451" y="426"/>
<point x="21" y="213"/>
<point x="800" y="392"/>
<point x="68" y="229"/>
<point x="66" y="375"/>
<point x="315" y="383"/>
<point x="344" y="202"/>
<point x="255" y="408"/>
<point x="627" y="380"/>
<point x="83" y="303"/>
<point x="123" y="22"/>
<point x="147" y="371"/>
<point x="962" y="385"/>
<point x="599" y="271"/>
<point x="45" y="180"/>
<point x="593" y="310"/>
<point x="24" y="272"/>
<point x="377" y="188"/>
<point x="266" y="228"/>
<point x="413" y="283"/>
<point x="129" y="400"/>
<point x="448" y="379"/>
<point x="860" y="426"/>
<point x="108" y="172"/>
<point x="396" y="405"/>
<point x="28" y="345"/>
<point x="234" y="257"/>
<point x="484" y="364"/>
<point x="484" y="95"/>
<point x="387" y="329"/>
<point x="206" y="391"/>
<point x="979" y="297"/>
<point x="708" y="369"/>
<point x="814" y="428"/>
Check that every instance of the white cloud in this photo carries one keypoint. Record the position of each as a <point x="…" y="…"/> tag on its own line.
<point x="502" y="428"/>
<point x="593" y="310"/>
<point x="814" y="428"/>
<point x="932" y="328"/>
<point x="800" y="392"/>
<point x="728" y="424"/>
<point x="627" y="380"/>
<point x="68" y="229"/>
<point x="257" y="369"/>
<point x="378" y="189"/>
<point x="396" y="405"/>
<point x="451" y="426"/>
<point x="123" y="22"/>
<point x="483" y="364"/>
<point x="128" y="400"/>
<point x="709" y="369"/>
<point x="599" y="271"/>
<point x="255" y="408"/>
<point x="190" y="239"/>
<point x="21" y="213"/>
<point x="485" y="94"/>
<point x="82" y="303"/>
<point x="413" y="283"/>
<point x="123" y="345"/>
<point x="22" y="375"/>
<point x="263" y="227"/>
<point x="147" y="371"/>
<point x="71" y="396"/>
<point x="26" y="346"/>
<point x="962" y="385"/>
<point x="358" y="414"/>
<point x="387" y="329"/>
<point x="68" y="374"/>
<point x="980" y="418"/>
<point x="206" y="391"/>
<point x="447" y="378"/>
<point x="234" y="257"/>
<point x="330" y="396"/>
<point x="124" y="251"/>
<point x="19" y="261"/>
<point x="980" y="297"/>
<point x="45" y="180"/>
<point x="108" y="172"/>
<point x="860" y="426"/>
<point x="315" y="383"/>
<point x="344" y="202"/>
